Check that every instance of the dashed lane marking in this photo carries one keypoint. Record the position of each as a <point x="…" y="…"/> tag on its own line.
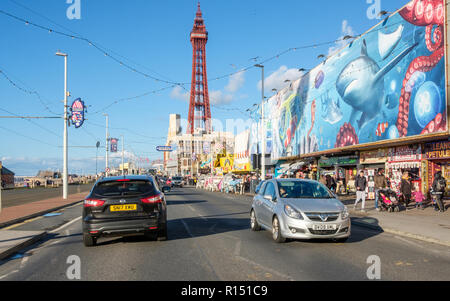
<point x="9" y="274"/>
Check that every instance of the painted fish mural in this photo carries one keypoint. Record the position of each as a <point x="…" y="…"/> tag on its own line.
<point x="361" y="84"/>
<point x="387" y="84"/>
<point x="331" y="110"/>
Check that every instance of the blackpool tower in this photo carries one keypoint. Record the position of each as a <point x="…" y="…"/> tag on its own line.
<point x="199" y="109"/>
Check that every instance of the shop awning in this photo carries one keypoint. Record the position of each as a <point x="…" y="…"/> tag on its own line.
<point x="296" y="165"/>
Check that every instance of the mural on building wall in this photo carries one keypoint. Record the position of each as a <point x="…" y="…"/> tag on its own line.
<point x="388" y="84"/>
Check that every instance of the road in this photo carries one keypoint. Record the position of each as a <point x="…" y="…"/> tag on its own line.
<point x="15" y="197"/>
<point x="210" y="239"/>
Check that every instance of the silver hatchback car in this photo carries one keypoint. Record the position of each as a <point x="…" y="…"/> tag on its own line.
<point x="299" y="209"/>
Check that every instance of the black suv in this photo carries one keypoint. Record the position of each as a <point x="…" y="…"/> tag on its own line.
<point x="126" y="205"/>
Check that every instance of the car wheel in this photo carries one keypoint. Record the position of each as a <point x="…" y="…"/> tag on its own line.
<point x="276" y="231"/>
<point x="89" y="241"/>
<point x="254" y="222"/>
<point x="152" y="236"/>
<point x="162" y="234"/>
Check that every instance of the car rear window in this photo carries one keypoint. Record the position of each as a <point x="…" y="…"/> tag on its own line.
<point x="124" y="188"/>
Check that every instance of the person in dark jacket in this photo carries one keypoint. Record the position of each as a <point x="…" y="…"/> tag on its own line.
<point x="361" y="185"/>
<point x="438" y="190"/>
<point x="380" y="183"/>
<point x="331" y="184"/>
<point x="405" y="188"/>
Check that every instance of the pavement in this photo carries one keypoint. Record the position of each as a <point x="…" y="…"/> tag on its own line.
<point x="427" y="225"/>
<point x="11" y="241"/>
<point x="14" y="241"/>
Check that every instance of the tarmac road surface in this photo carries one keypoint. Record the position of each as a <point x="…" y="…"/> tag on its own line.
<point x="210" y="239"/>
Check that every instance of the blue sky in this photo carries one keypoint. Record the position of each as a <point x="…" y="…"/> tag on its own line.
<point x="153" y="37"/>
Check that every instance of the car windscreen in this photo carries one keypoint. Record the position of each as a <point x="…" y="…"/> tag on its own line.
<point x="124" y="188"/>
<point x="303" y="190"/>
<point x="177" y="178"/>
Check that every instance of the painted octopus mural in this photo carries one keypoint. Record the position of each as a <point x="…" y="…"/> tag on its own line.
<point x="387" y="84"/>
<point x="429" y="13"/>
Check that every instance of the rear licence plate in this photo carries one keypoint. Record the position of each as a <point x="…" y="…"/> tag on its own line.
<point x="324" y="227"/>
<point x="130" y="207"/>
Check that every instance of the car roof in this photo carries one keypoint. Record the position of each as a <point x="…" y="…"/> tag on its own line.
<point x="129" y="177"/>
<point x="294" y="180"/>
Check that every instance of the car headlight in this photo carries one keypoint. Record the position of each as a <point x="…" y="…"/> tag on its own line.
<point x="291" y="212"/>
<point x="344" y="213"/>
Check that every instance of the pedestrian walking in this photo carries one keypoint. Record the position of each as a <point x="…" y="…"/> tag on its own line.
<point x="361" y="185"/>
<point x="329" y="181"/>
<point x="380" y="183"/>
<point x="333" y="183"/>
<point x="418" y="197"/>
<point x="323" y="180"/>
<point x="405" y="189"/>
<point x="438" y="190"/>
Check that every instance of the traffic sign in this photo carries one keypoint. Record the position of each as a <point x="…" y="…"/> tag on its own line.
<point x="165" y="148"/>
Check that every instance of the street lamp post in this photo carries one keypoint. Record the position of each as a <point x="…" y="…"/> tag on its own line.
<point x="263" y="125"/>
<point x="65" y="139"/>
<point x="107" y="145"/>
<point x="96" y="159"/>
<point x="123" y="167"/>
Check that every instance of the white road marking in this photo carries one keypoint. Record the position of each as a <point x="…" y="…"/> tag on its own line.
<point x="24" y="261"/>
<point x="194" y="210"/>
<point x="187" y="228"/>
<point x="265" y="268"/>
<point x="66" y="224"/>
<point x="4" y="276"/>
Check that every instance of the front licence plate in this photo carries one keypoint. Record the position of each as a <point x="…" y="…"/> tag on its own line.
<point x="130" y="207"/>
<point x="324" y="227"/>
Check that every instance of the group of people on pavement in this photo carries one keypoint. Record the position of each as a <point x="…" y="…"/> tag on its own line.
<point x="408" y="191"/>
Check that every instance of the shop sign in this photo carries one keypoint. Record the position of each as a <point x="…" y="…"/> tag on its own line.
<point x="338" y="161"/>
<point x="374" y="157"/>
<point x="405" y="153"/>
<point x="78" y="110"/>
<point x="242" y="167"/>
<point x="226" y="163"/>
<point x="164" y="148"/>
<point x="437" y="150"/>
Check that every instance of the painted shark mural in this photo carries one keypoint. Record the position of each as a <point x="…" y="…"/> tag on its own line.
<point x="361" y="84"/>
<point x="385" y="85"/>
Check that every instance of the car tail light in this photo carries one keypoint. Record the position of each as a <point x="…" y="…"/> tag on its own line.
<point x="153" y="199"/>
<point x="93" y="203"/>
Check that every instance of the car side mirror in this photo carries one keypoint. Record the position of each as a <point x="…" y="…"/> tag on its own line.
<point x="270" y="198"/>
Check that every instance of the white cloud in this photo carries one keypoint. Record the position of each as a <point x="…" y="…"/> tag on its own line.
<point x="346" y="29"/>
<point x="179" y="93"/>
<point x="235" y="82"/>
<point x="277" y="79"/>
<point x="217" y="97"/>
